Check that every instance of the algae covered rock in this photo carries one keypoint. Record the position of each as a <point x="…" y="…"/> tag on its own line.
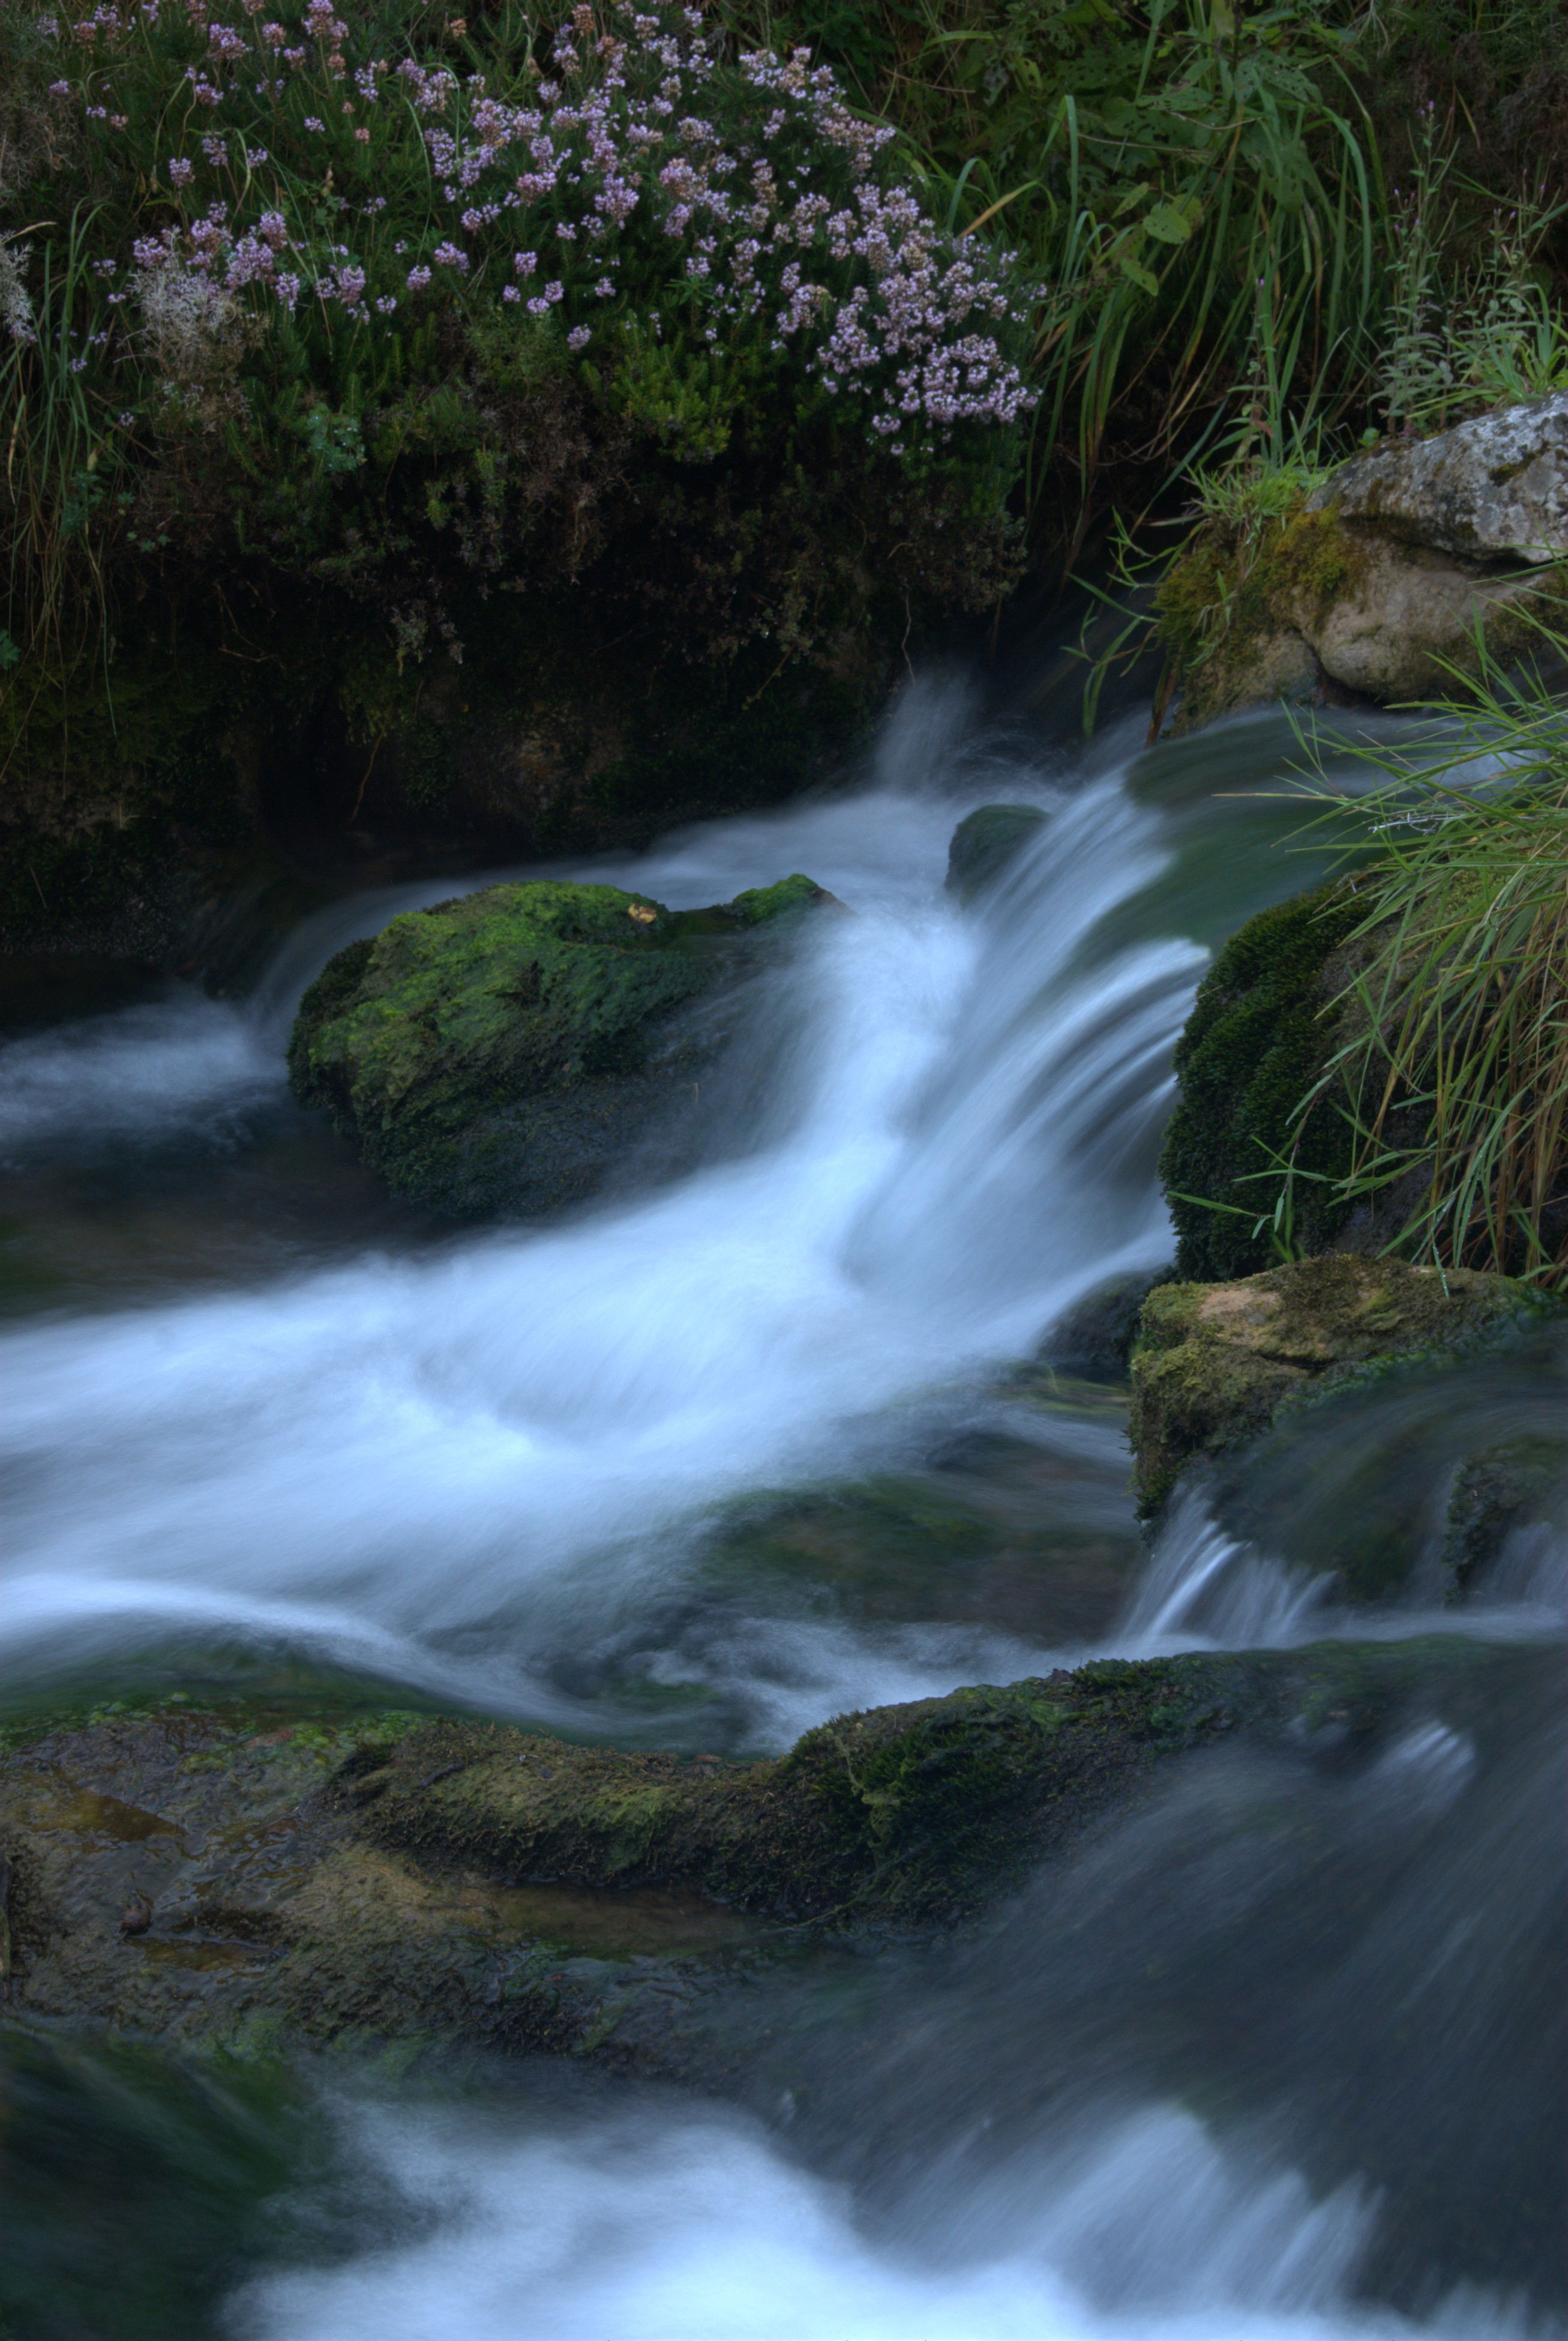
<point x="986" y="843"/>
<point x="504" y="1050"/>
<point x="234" y="1874"/>
<point x="1260" y="1033"/>
<point x="1215" y="1363"/>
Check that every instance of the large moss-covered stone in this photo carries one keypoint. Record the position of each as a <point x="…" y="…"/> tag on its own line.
<point x="1382" y="581"/>
<point x="1215" y="1363"/>
<point x="232" y="1873"/>
<point x="1261" y="1031"/>
<point x="502" y="1052"/>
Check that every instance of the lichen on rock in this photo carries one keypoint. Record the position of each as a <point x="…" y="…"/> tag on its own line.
<point x="1215" y="1364"/>
<point x="1383" y="579"/>
<point x="504" y="1050"/>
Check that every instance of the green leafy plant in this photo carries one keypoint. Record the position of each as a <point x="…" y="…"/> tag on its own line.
<point x="1454" y="1073"/>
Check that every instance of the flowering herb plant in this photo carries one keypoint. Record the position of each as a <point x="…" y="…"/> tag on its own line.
<point x="345" y="260"/>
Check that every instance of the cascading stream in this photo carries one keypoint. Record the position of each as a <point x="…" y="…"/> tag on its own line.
<point x="1173" y="2091"/>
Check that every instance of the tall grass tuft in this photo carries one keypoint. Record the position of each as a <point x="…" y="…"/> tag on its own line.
<point x="1454" y="1072"/>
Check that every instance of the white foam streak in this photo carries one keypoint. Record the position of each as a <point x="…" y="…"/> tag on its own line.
<point x="496" y="1441"/>
<point x="698" y="2229"/>
<point x="1206" y="1588"/>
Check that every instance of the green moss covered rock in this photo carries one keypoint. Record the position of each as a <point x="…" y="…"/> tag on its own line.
<point x="1258" y="1038"/>
<point x="1215" y="1363"/>
<point x="502" y="1052"/>
<point x="256" y="1876"/>
<point x="986" y="843"/>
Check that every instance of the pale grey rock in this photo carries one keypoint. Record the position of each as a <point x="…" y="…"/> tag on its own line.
<point x="1412" y="617"/>
<point x="1493" y="489"/>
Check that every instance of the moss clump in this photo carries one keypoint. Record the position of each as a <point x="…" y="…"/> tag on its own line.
<point x="1236" y="605"/>
<point x="1214" y="1363"/>
<point x="502" y="1051"/>
<point x="1255" y="1043"/>
<point x="984" y="843"/>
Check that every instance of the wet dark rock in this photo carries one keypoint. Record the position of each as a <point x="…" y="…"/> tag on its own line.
<point x="986" y="843"/>
<point x="504" y="1052"/>
<point x="1095" y="1337"/>
<point x="1214" y="1364"/>
<point x="1256" y="1044"/>
<point x="394" y="1876"/>
<point x="1514" y="1485"/>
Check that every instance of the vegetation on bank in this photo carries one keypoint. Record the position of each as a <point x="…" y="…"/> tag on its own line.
<point x="560" y="419"/>
<point x="472" y="391"/>
<point x="1384" y="1064"/>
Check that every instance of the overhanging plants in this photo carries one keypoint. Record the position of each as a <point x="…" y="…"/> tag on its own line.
<point x="1453" y="1060"/>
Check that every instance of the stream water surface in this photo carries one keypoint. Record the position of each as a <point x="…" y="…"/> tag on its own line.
<point x="727" y="1455"/>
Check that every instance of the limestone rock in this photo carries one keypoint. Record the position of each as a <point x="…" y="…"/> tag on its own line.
<point x="1493" y="489"/>
<point x="1377" y="588"/>
<point x="1214" y="1363"/>
<point x="506" y="1051"/>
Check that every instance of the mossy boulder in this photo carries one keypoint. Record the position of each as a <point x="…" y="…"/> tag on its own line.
<point x="1261" y="1031"/>
<point x="245" y="1876"/>
<point x="1214" y="1364"/>
<point x="504" y="1051"/>
<point x="986" y="843"/>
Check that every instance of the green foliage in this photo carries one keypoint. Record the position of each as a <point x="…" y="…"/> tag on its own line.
<point x="249" y="407"/>
<point x="1453" y="1047"/>
<point x="1192" y="186"/>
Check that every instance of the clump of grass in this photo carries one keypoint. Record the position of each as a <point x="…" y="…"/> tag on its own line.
<point x="1455" y="1075"/>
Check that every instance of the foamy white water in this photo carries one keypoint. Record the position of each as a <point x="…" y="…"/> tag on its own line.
<point x="475" y="1467"/>
<point x="696" y="2228"/>
<point x="464" y="1462"/>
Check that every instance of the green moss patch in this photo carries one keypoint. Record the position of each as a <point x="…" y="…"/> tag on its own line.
<point x="1258" y="1038"/>
<point x="1233" y="594"/>
<point x="502" y="1051"/>
<point x="1214" y="1363"/>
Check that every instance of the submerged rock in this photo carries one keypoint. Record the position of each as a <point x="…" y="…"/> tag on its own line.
<point x="1215" y="1363"/>
<point x="389" y="1876"/>
<point x="504" y="1050"/>
<point x="986" y="843"/>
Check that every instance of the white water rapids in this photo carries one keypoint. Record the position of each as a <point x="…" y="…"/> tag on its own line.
<point x="462" y="1466"/>
<point x="410" y="1463"/>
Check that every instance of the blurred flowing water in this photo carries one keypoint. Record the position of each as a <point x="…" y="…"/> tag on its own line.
<point x="722" y="1456"/>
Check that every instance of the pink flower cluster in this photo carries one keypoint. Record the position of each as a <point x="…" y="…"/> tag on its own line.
<point x="743" y="199"/>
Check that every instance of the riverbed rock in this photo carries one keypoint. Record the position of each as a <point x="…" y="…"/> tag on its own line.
<point x="1215" y="1364"/>
<point x="1261" y="1033"/>
<point x="1382" y="580"/>
<point x="363" y="1877"/>
<point x="504" y="1052"/>
<point x="986" y="843"/>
